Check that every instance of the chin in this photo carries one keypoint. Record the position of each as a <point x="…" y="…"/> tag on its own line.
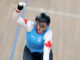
<point x="39" y="32"/>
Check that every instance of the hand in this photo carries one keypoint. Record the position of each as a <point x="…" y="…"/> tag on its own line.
<point x="21" y="6"/>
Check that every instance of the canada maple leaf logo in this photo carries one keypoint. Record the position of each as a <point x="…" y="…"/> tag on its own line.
<point x="25" y="20"/>
<point x="48" y="44"/>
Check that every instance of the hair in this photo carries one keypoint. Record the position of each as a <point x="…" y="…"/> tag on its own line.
<point x="43" y="17"/>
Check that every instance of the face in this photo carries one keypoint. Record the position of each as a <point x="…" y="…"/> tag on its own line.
<point x="40" y="27"/>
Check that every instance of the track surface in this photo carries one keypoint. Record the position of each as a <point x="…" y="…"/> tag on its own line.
<point x="65" y="23"/>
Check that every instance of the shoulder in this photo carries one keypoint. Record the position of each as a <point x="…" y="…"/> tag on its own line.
<point x="48" y="31"/>
<point x="48" y="35"/>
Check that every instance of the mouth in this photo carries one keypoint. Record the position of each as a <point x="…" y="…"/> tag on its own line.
<point x="39" y="31"/>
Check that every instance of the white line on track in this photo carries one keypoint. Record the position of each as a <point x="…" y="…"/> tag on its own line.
<point x="53" y="12"/>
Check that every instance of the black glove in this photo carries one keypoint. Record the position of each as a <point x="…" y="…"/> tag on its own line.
<point x="21" y="5"/>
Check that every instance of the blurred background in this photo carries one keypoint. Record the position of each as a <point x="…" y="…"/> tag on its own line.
<point x="65" y="24"/>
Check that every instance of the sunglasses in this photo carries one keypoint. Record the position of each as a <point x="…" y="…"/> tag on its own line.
<point x="41" y="25"/>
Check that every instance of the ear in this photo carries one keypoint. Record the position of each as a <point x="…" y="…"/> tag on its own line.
<point x="47" y="24"/>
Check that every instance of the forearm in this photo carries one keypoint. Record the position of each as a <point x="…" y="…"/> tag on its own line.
<point x="46" y="53"/>
<point x="16" y="15"/>
<point x="24" y="22"/>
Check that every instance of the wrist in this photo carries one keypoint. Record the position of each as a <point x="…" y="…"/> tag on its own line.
<point x="18" y="11"/>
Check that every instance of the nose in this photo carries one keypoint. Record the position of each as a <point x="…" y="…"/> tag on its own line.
<point x="41" y="28"/>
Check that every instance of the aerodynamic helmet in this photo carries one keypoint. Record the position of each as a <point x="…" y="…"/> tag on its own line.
<point x="44" y="18"/>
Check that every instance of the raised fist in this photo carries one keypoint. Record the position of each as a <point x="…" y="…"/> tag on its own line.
<point x="21" y="6"/>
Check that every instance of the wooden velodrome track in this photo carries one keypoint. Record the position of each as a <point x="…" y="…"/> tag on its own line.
<point x="65" y="23"/>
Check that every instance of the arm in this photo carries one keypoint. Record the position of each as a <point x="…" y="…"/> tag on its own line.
<point x="24" y="22"/>
<point x="47" y="44"/>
